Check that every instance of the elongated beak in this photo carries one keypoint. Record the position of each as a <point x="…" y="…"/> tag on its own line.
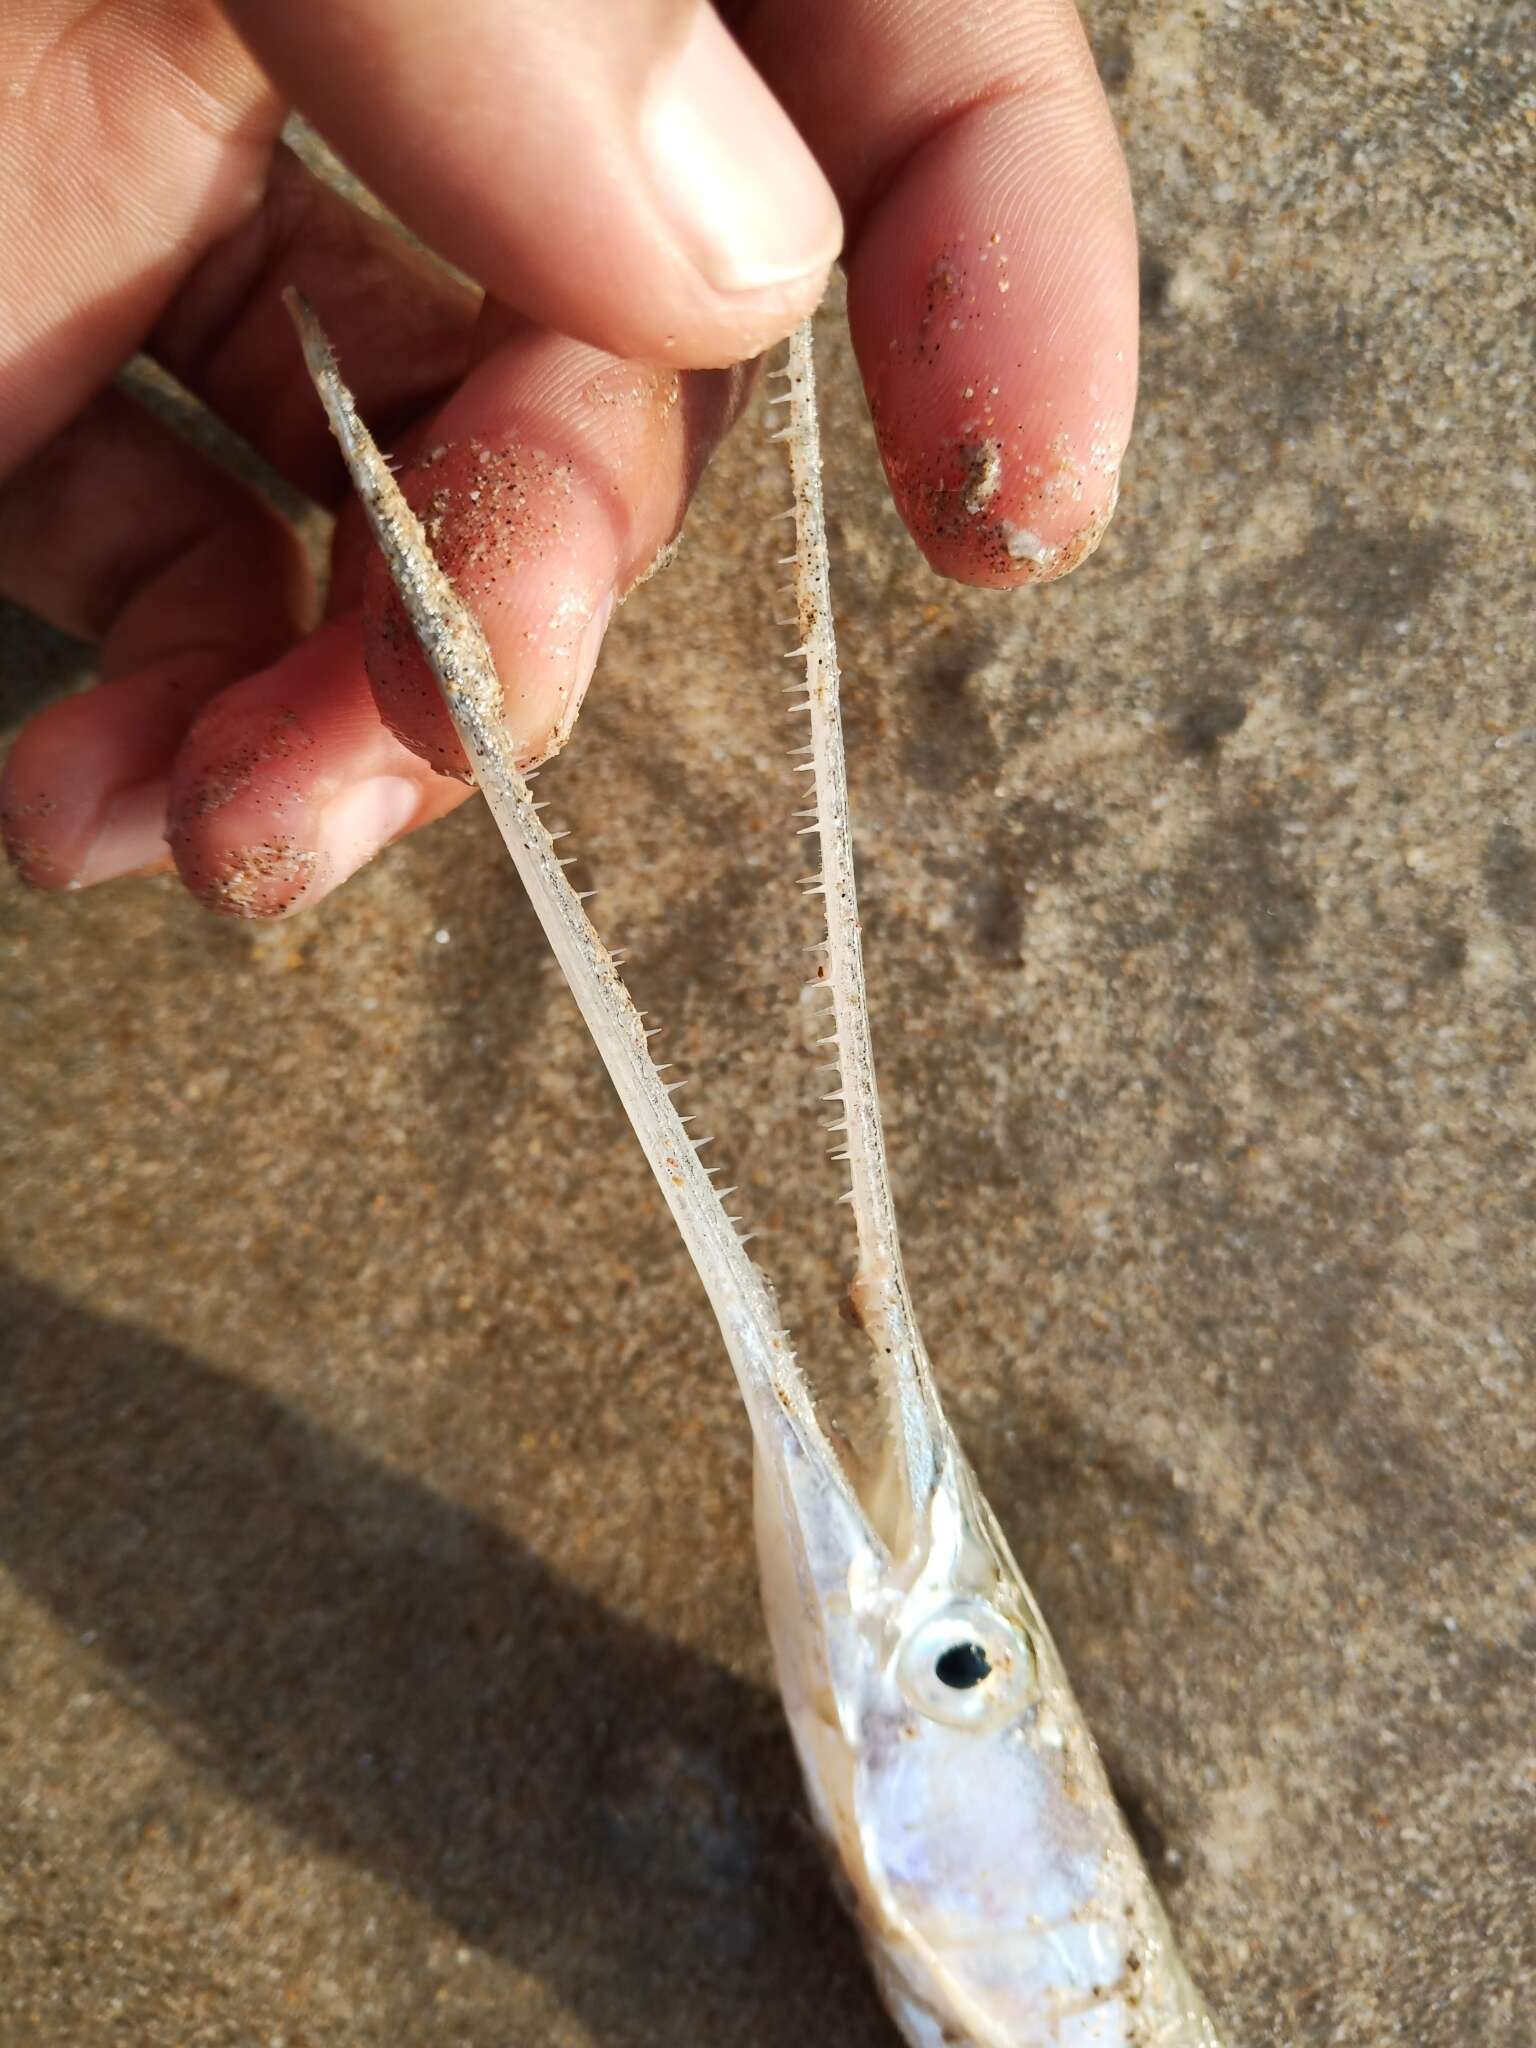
<point x="799" y="1462"/>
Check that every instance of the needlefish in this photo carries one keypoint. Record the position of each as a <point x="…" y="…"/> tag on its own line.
<point x="949" y="1768"/>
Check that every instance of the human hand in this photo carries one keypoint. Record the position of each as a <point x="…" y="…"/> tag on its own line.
<point x="621" y="173"/>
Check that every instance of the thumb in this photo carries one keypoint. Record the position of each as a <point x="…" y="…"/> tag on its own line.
<point x="619" y="173"/>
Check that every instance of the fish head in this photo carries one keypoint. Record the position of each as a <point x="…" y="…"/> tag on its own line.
<point x="958" y="1788"/>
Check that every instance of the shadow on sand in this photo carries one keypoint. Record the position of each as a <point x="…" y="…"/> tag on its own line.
<point x="402" y="1684"/>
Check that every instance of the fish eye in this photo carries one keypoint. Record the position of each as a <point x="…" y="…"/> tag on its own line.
<point x="962" y="1665"/>
<point x="967" y="1666"/>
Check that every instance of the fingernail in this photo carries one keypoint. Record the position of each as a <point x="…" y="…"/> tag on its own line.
<point x="130" y="837"/>
<point x="354" y="825"/>
<point x="588" y="648"/>
<point x="742" y="192"/>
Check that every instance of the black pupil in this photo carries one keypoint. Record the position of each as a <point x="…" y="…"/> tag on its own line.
<point x="963" y="1666"/>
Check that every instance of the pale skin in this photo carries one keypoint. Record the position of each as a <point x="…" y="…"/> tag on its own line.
<point x="648" y="203"/>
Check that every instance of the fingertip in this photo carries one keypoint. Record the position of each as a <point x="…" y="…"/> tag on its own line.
<point x="530" y="545"/>
<point x="83" y="791"/>
<point x="288" y="784"/>
<point x="993" y="303"/>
